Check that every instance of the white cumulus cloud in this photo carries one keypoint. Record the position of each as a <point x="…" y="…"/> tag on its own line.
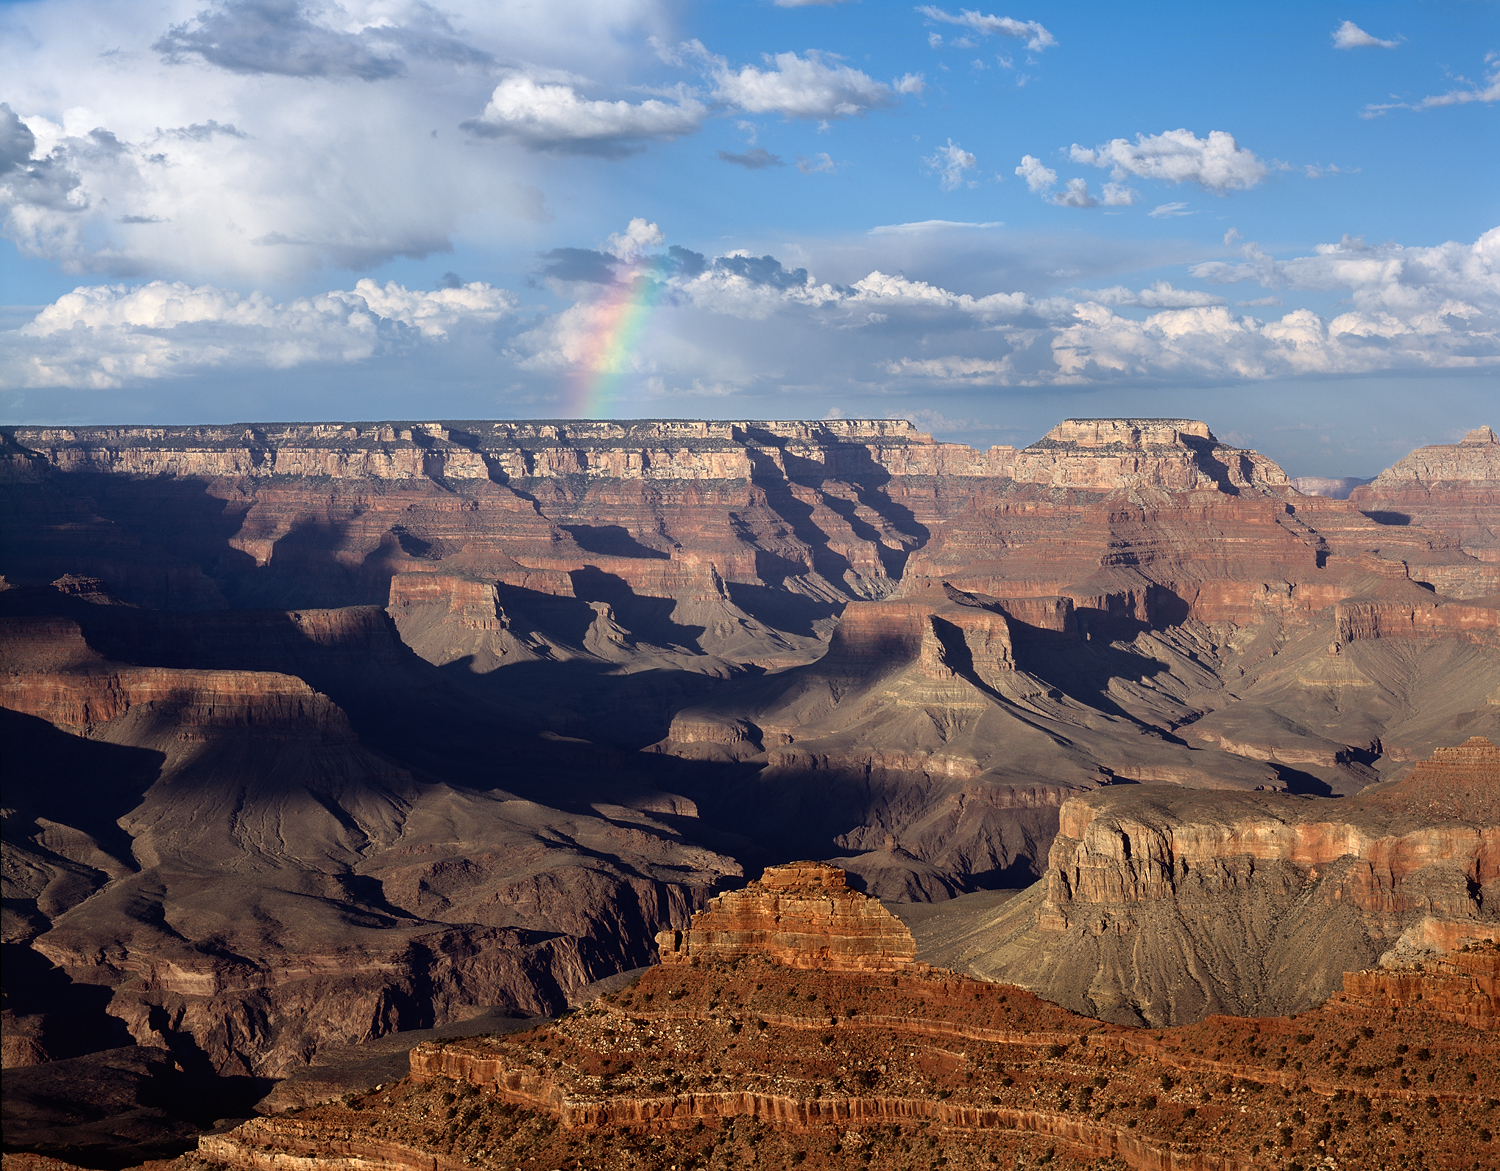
<point x="809" y="85"/>
<point x="106" y="336"/>
<point x="1216" y="163"/>
<point x="1350" y="36"/>
<point x="1075" y="194"/>
<point x="1212" y="342"/>
<point x="551" y="116"/>
<point x="1039" y="178"/>
<point x="638" y="238"/>
<point x="1413" y="308"/>
<point x="1448" y="282"/>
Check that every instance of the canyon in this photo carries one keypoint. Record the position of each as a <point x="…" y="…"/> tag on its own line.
<point x="749" y="1045"/>
<point x="321" y="733"/>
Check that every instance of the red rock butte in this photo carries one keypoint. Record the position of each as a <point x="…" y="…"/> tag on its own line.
<point x="1461" y="783"/>
<point x="802" y="915"/>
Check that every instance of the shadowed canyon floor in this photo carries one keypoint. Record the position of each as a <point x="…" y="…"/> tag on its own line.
<point x="318" y="734"/>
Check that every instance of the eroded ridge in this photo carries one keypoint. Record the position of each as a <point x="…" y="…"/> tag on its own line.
<point x="1161" y="905"/>
<point x="803" y="916"/>
<point x="739" y="1058"/>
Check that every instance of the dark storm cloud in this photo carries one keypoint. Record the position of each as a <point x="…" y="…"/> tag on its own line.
<point x="682" y="262"/>
<point x="38" y="182"/>
<point x="601" y="268"/>
<point x="281" y="37"/>
<point x="16" y="140"/>
<point x="754" y="159"/>
<point x="579" y="264"/>
<point x="762" y="270"/>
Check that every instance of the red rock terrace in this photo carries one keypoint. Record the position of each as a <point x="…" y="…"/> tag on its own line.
<point x="755" y="1056"/>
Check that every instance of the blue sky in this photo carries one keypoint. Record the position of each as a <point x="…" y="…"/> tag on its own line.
<point x="1281" y="219"/>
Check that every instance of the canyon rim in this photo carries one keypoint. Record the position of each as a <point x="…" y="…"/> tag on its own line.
<point x="323" y="739"/>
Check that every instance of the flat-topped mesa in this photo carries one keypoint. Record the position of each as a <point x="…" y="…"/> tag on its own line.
<point x="946" y="631"/>
<point x="1128" y="432"/>
<point x="802" y="915"/>
<point x="1105" y="455"/>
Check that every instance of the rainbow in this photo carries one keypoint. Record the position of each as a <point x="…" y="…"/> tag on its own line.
<point x="619" y="323"/>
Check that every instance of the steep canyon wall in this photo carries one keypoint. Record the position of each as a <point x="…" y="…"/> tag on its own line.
<point x="421" y="717"/>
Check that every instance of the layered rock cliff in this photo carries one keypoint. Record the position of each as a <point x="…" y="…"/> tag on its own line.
<point x="1461" y="985"/>
<point x="326" y="514"/>
<point x="211" y="857"/>
<point x="1448" y="486"/>
<point x="1262" y="901"/>
<point x="354" y="713"/>
<point x="752" y="1055"/>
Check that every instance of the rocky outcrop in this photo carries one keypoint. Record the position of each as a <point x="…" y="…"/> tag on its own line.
<point x="1266" y="900"/>
<point x="1107" y="455"/>
<point x="276" y="704"/>
<point x="747" y="1059"/>
<point x="801" y="915"/>
<point x="1416" y="615"/>
<point x="1448" y="486"/>
<point x="1462" y="985"/>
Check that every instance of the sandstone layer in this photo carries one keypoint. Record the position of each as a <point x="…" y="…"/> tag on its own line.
<point x="1161" y="907"/>
<point x="1448" y="486"/>
<point x="750" y="1059"/>
<point x="425" y="719"/>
